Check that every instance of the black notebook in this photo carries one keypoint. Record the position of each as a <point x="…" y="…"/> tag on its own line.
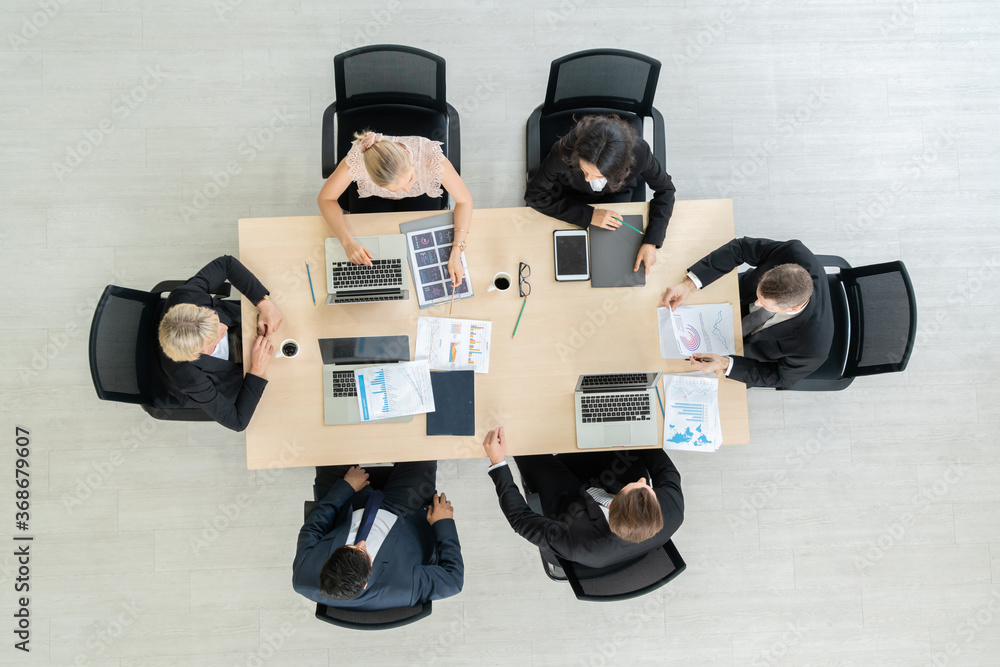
<point x="455" y="403"/>
<point x="612" y="255"/>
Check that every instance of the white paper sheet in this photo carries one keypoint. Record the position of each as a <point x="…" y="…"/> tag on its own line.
<point x="454" y="345"/>
<point x="691" y="412"/>
<point x="394" y="390"/>
<point x="692" y="329"/>
<point x="429" y="252"/>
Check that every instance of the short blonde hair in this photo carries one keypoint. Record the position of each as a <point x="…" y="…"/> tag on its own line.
<point x="385" y="161"/>
<point x="185" y="329"/>
<point x="635" y="516"/>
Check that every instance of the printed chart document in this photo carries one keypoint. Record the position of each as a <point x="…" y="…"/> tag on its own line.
<point x="429" y="252"/>
<point x="690" y="329"/>
<point x="454" y="345"/>
<point x="691" y="412"/>
<point x="394" y="390"/>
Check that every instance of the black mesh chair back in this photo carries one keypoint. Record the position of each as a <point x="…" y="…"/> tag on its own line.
<point x="119" y="334"/>
<point x="625" y="580"/>
<point x="398" y="91"/>
<point x="884" y="308"/>
<point x="389" y="74"/>
<point x="610" y="78"/>
<point x="597" y="81"/>
<point x="875" y="318"/>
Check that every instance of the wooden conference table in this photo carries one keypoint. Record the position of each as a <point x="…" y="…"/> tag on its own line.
<point x="567" y="329"/>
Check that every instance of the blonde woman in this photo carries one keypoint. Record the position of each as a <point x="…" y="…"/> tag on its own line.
<point x="201" y="348"/>
<point x="394" y="168"/>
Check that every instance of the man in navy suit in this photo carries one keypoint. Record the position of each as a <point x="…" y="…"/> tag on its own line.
<point x="787" y="315"/>
<point x="361" y="551"/>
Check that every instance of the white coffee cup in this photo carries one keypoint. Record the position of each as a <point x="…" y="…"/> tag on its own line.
<point x="500" y="277"/>
<point x="281" y="348"/>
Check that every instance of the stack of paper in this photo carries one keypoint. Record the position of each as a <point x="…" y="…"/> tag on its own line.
<point x="691" y="329"/>
<point x="691" y="412"/>
<point x="394" y="390"/>
<point x="454" y="345"/>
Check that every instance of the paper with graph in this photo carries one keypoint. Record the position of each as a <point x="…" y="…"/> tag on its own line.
<point x="691" y="412"/>
<point x="394" y="390"/>
<point x="690" y="329"/>
<point x="454" y="345"/>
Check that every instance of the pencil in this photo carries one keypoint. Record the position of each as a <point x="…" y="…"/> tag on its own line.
<point x="523" y="304"/>
<point x="662" y="411"/>
<point x="625" y="223"/>
<point x="311" y="290"/>
<point x="452" y="302"/>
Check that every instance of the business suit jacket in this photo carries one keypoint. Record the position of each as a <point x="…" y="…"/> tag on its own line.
<point x="581" y="533"/>
<point x="417" y="561"/>
<point x="782" y="354"/>
<point x="560" y="191"/>
<point x="217" y="386"/>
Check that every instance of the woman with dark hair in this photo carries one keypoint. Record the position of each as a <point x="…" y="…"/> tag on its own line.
<point x="598" y="162"/>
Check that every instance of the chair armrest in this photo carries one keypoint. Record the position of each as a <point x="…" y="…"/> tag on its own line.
<point x="328" y="143"/>
<point x="454" y="139"/>
<point x="659" y="138"/>
<point x="532" y="140"/>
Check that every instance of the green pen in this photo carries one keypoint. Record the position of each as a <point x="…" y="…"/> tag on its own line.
<point x="625" y="223"/>
<point x="523" y="304"/>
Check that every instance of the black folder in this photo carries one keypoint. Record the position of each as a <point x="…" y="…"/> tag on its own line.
<point x="454" y="403"/>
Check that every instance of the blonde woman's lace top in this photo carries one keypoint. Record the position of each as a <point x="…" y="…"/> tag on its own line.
<point x="425" y="156"/>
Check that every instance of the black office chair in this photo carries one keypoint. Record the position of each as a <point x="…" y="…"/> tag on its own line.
<point x="621" y="581"/>
<point x="395" y="90"/>
<point x="598" y="81"/>
<point x="875" y="313"/>
<point x="124" y="347"/>
<point x="383" y="619"/>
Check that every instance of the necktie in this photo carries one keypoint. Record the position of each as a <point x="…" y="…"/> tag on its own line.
<point x="755" y="319"/>
<point x="368" y="516"/>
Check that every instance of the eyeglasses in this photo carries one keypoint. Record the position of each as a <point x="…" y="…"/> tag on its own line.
<point x="523" y="286"/>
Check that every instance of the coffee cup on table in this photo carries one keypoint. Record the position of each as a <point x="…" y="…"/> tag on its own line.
<point x="501" y="282"/>
<point x="288" y="349"/>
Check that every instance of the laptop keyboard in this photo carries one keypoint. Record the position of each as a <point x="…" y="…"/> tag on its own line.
<point x="614" y="380"/>
<point x="631" y="407"/>
<point x="343" y="384"/>
<point x="362" y="299"/>
<point x="382" y="273"/>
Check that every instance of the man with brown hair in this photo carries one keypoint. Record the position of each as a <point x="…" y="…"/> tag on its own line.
<point x="600" y="508"/>
<point x="787" y="316"/>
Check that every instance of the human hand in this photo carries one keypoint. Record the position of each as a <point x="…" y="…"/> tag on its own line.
<point x="357" y="478"/>
<point x="358" y="254"/>
<point x="646" y="256"/>
<point x="495" y="445"/>
<point x="440" y="509"/>
<point x="675" y="295"/>
<point x="260" y="356"/>
<point x="269" y="318"/>
<point x="605" y="219"/>
<point x="455" y="267"/>
<point x="708" y="362"/>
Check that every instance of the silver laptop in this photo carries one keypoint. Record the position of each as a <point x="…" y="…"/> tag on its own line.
<point x="384" y="280"/>
<point x="616" y="410"/>
<point x="341" y="356"/>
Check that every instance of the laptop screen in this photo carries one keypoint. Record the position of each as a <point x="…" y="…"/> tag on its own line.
<point x="365" y="349"/>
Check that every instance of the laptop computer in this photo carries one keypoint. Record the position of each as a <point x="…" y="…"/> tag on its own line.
<point x="341" y="356"/>
<point x="616" y="410"/>
<point x="612" y="255"/>
<point x="384" y="280"/>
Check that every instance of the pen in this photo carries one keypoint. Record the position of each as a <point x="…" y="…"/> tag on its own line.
<point x="662" y="411"/>
<point x="523" y="304"/>
<point x="452" y="302"/>
<point x="625" y="223"/>
<point x="311" y="290"/>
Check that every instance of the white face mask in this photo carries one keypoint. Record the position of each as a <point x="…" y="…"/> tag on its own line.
<point x="598" y="184"/>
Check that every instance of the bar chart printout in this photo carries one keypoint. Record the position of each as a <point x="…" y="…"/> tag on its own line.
<point x="394" y="390"/>
<point x="691" y="420"/>
<point x="453" y="344"/>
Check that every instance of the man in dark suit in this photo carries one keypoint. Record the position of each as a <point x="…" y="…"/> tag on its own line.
<point x="599" y="508"/>
<point x="785" y="304"/>
<point x="201" y="345"/>
<point x="371" y="550"/>
<point x="599" y="161"/>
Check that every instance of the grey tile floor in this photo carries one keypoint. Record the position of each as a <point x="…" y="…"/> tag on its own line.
<point x="858" y="528"/>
